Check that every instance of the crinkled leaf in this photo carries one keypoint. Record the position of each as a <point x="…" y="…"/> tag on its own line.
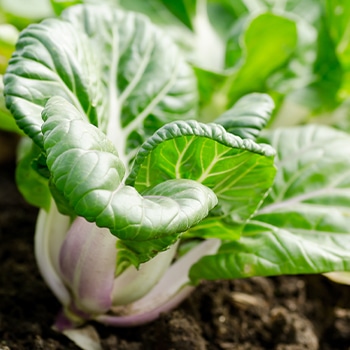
<point x="303" y="226"/>
<point x="265" y="250"/>
<point x="115" y="67"/>
<point x="87" y="170"/>
<point x="248" y="116"/>
<point x="37" y="72"/>
<point x="313" y="162"/>
<point x="238" y="171"/>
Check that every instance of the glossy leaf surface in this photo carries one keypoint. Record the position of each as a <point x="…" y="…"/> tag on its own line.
<point x="239" y="171"/>
<point x="248" y="116"/>
<point x="86" y="169"/>
<point x="116" y="68"/>
<point x="303" y="225"/>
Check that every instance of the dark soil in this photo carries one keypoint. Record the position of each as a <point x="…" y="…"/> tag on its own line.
<point x="282" y="313"/>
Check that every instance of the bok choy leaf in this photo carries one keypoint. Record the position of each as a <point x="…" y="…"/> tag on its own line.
<point x="122" y="73"/>
<point x="303" y="225"/>
<point x="86" y="169"/>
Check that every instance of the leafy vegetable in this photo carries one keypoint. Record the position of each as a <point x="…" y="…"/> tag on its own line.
<point x="149" y="159"/>
<point x="88" y="110"/>
<point x="212" y="157"/>
<point x="118" y="83"/>
<point x="85" y="169"/>
<point x="303" y="223"/>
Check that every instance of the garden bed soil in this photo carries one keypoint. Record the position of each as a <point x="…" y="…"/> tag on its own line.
<point x="281" y="313"/>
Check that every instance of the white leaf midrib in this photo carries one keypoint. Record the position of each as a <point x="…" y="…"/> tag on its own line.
<point x="155" y="101"/>
<point x="300" y="198"/>
<point x="139" y="73"/>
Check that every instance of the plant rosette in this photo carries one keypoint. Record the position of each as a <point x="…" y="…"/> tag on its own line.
<point x="140" y="199"/>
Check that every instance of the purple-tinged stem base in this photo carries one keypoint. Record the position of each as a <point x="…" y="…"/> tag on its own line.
<point x="148" y="316"/>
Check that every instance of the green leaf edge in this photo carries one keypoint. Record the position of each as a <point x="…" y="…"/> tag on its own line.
<point x="194" y="128"/>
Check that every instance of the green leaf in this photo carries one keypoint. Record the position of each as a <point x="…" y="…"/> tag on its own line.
<point x="223" y="14"/>
<point x="234" y="49"/>
<point x="157" y="10"/>
<point x="33" y="187"/>
<point x="265" y="250"/>
<point x="87" y="170"/>
<point x="238" y="171"/>
<point x="115" y="67"/>
<point x="313" y="164"/>
<point x="211" y="104"/>
<point x="60" y="5"/>
<point x="152" y="223"/>
<point x="213" y="227"/>
<point x="184" y="10"/>
<point x="303" y="225"/>
<point x="251" y="62"/>
<point x="323" y="93"/>
<point x="248" y="116"/>
<point x="7" y="122"/>
<point x="36" y="72"/>
<point x="277" y="41"/>
<point x="79" y="156"/>
<point x="338" y="23"/>
<point x="237" y="8"/>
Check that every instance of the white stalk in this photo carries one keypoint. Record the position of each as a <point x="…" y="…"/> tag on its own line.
<point x="87" y="265"/>
<point x="50" y="232"/>
<point x="114" y="128"/>
<point x="209" y="48"/>
<point x="133" y="284"/>
<point x="168" y="293"/>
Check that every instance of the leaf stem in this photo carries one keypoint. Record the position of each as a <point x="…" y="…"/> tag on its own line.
<point x="169" y="292"/>
<point x="50" y="231"/>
